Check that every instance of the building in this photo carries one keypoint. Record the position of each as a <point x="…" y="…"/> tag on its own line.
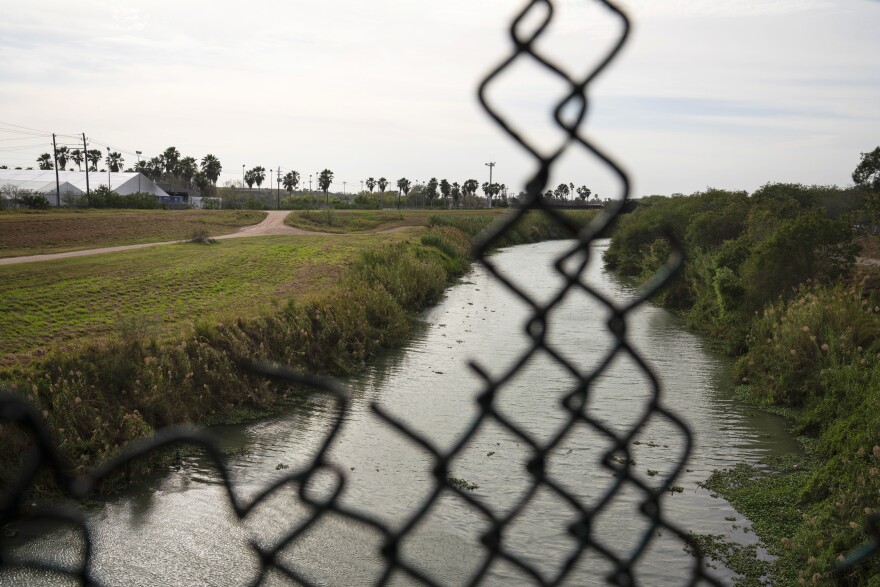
<point x="73" y="183"/>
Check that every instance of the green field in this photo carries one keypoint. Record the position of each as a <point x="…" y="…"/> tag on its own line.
<point x="163" y="289"/>
<point x="56" y="231"/>
<point x="353" y="221"/>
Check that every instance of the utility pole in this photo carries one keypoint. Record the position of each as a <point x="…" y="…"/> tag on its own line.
<point x="271" y="171"/>
<point x="86" y="155"/>
<point x="108" y="169"/>
<point x="490" y="165"/>
<point x="278" y="190"/>
<point x="57" y="183"/>
<point x="138" y="153"/>
<point x="242" y="175"/>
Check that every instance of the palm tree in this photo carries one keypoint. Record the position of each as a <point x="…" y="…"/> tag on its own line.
<point x="45" y="161"/>
<point x="93" y="156"/>
<point x="186" y="169"/>
<point x="431" y="191"/>
<point x="259" y="175"/>
<point x="77" y="157"/>
<point x="211" y="168"/>
<point x="290" y="180"/>
<point x="403" y="185"/>
<point x="382" y="183"/>
<point x="170" y="157"/>
<point x="114" y="161"/>
<point x="202" y="183"/>
<point x="456" y="194"/>
<point x="562" y="191"/>
<point x="584" y="193"/>
<point x="445" y="188"/>
<point x="249" y="178"/>
<point x="154" y="168"/>
<point x="371" y="183"/>
<point x="61" y="155"/>
<point x="324" y="180"/>
<point x="470" y="186"/>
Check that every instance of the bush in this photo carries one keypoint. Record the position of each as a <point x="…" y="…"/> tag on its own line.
<point x="15" y="197"/>
<point x="35" y="202"/>
<point x="104" y="198"/>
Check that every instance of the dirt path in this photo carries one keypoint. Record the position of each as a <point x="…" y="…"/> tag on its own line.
<point x="273" y="223"/>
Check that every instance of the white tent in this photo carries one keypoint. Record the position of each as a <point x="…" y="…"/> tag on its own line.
<point x="74" y="182"/>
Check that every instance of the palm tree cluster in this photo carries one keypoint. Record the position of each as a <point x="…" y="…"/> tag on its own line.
<point x="255" y="176"/>
<point x="453" y="190"/>
<point x="170" y="166"/>
<point x="564" y="190"/>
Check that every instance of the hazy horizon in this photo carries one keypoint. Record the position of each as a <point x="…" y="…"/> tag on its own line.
<point x="732" y="95"/>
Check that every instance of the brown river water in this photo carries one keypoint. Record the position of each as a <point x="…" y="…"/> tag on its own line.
<point x="180" y="529"/>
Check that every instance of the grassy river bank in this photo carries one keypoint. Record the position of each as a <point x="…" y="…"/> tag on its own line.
<point x="106" y="391"/>
<point x="772" y="276"/>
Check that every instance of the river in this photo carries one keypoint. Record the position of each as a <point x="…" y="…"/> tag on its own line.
<point x="180" y="529"/>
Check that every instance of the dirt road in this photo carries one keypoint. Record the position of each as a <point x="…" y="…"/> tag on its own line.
<point x="273" y="223"/>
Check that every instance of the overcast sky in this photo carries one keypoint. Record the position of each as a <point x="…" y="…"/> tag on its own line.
<point x="722" y="93"/>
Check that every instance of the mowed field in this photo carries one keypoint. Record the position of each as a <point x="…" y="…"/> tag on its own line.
<point x="36" y="233"/>
<point x="353" y="221"/>
<point x="163" y="290"/>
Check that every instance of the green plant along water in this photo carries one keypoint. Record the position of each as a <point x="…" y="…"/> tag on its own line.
<point x="177" y="530"/>
<point x="768" y="274"/>
<point x="99" y="397"/>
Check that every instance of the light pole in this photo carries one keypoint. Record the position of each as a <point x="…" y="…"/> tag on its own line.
<point x="138" y="153"/>
<point x="490" y="165"/>
<point x="310" y="182"/>
<point x="242" y="175"/>
<point x="108" y="168"/>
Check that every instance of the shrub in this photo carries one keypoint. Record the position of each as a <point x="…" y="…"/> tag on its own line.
<point x="34" y="202"/>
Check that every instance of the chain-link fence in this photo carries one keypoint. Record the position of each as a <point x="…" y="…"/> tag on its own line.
<point x="495" y="549"/>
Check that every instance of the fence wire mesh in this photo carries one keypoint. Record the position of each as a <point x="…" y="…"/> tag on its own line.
<point x="495" y="549"/>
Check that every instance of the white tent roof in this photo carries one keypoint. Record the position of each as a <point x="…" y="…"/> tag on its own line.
<point x="74" y="182"/>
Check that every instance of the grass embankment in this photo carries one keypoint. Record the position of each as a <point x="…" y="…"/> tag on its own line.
<point x="346" y="221"/>
<point x="771" y="276"/>
<point x="160" y="292"/>
<point x="105" y="392"/>
<point x="57" y="231"/>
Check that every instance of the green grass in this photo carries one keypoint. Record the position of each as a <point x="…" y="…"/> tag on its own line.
<point x="163" y="289"/>
<point x="56" y="231"/>
<point x="352" y="221"/>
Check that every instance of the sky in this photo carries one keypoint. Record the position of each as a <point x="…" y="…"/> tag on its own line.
<point x="727" y="94"/>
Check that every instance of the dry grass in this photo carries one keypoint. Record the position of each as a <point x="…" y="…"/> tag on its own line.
<point x="72" y="230"/>
<point x="870" y="247"/>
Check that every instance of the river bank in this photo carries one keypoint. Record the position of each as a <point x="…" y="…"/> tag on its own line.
<point x="771" y="277"/>
<point x="388" y="476"/>
<point x="97" y="398"/>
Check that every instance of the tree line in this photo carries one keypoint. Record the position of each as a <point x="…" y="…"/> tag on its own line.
<point x="169" y="166"/>
<point x="429" y="191"/>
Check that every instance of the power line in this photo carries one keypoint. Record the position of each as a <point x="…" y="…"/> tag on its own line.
<point x="25" y="128"/>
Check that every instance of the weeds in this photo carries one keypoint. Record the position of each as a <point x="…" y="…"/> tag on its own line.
<point x="201" y="236"/>
<point x="105" y="392"/>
